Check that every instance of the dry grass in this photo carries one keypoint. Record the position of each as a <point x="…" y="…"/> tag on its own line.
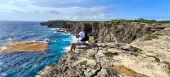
<point x="150" y="37"/>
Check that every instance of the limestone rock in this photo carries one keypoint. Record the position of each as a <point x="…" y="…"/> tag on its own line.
<point x="119" y="32"/>
<point x="123" y="49"/>
<point x="106" y="62"/>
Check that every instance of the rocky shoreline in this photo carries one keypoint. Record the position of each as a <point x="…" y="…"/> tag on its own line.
<point x="117" y="49"/>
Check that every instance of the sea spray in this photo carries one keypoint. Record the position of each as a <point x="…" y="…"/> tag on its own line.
<point x="72" y="39"/>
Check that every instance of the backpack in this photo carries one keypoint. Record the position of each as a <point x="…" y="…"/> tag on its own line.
<point x="86" y="38"/>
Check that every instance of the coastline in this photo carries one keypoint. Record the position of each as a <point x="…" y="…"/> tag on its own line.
<point x="72" y="39"/>
<point x="114" y="59"/>
<point x="30" y="48"/>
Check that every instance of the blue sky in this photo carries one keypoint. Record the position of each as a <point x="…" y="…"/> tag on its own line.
<point x="43" y="10"/>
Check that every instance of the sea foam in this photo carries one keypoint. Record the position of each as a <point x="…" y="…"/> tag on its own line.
<point x="72" y="39"/>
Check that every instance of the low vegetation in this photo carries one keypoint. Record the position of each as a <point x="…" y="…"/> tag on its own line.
<point x="135" y="49"/>
<point x="141" y="20"/>
<point x="83" y="63"/>
<point x="150" y="37"/>
<point x="165" y="22"/>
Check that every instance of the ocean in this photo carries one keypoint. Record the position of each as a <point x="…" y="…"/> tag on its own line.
<point x="29" y="64"/>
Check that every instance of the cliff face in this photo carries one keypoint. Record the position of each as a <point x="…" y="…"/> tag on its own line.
<point x="121" y="32"/>
<point x="74" y="26"/>
<point x="147" y="56"/>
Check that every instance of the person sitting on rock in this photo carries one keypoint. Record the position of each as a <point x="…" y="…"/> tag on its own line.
<point x="82" y="38"/>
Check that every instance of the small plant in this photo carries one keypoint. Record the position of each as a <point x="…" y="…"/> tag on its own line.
<point x="156" y="58"/>
<point x="150" y="37"/>
<point x="109" y="54"/>
<point x="83" y="63"/>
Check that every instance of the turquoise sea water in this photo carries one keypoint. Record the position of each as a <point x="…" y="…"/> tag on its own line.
<point x="29" y="64"/>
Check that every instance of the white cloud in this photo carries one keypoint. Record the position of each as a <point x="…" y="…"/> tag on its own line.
<point x="29" y="9"/>
<point x="63" y="1"/>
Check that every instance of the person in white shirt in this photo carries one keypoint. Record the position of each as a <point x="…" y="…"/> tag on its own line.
<point x="80" y="41"/>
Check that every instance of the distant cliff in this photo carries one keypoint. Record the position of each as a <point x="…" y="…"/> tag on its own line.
<point x="74" y="26"/>
<point x="108" y="31"/>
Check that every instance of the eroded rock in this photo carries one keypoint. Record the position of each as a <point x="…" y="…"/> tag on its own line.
<point x="107" y="62"/>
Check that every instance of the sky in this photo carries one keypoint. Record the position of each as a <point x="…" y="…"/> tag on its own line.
<point x="44" y="10"/>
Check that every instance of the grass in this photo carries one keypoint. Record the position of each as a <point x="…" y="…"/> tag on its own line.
<point x="156" y="58"/>
<point x="150" y="37"/>
<point x="83" y="63"/>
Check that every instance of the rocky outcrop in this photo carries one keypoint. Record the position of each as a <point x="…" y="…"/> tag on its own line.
<point x="135" y="50"/>
<point x="24" y="47"/>
<point x="124" y="32"/>
<point x="114" y="60"/>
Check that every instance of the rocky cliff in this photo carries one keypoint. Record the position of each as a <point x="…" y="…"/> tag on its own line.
<point x="123" y="49"/>
<point x="122" y="32"/>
